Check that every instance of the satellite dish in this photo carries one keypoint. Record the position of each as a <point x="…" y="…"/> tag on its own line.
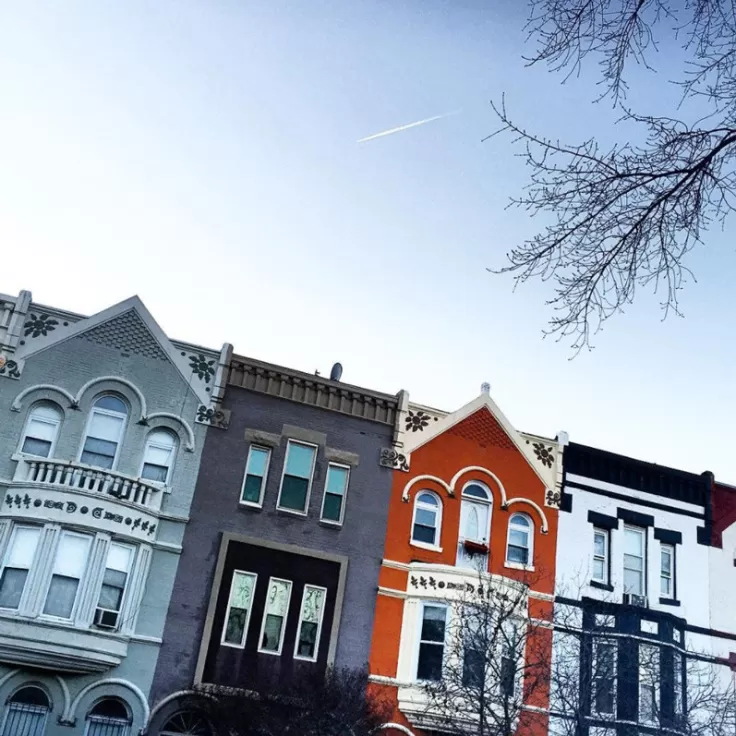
<point x="336" y="372"/>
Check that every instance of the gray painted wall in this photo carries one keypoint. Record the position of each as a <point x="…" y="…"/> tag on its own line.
<point x="215" y="509"/>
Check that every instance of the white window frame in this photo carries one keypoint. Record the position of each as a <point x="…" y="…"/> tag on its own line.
<point x="643" y="533"/>
<point x="670" y="549"/>
<point x="301" y="620"/>
<point x="529" y="565"/>
<point x="606" y="534"/>
<point x="419" y="641"/>
<point x="31" y="567"/>
<point x="436" y="546"/>
<point x="107" y="412"/>
<point x="344" y="495"/>
<point x="259" y="503"/>
<point x="82" y="577"/>
<point x="282" y="636"/>
<point x="124" y="597"/>
<point x="289" y="443"/>
<point x="174" y="450"/>
<point x="229" y="606"/>
<point x="598" y="642"/>
<point x="56" y="422"/>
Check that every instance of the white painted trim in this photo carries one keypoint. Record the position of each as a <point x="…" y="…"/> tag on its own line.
<point x="282" y="633"/>
<point x="308" y="496"/>
<point x="344" y="494"/>
<point x="392" y="592"/>
<point x="301" y="621"/>
<point x="396" y="727"/>
<point x="189" y="447"/>
<point x="143" y="639"/>
<point x="393" y="564"/>
<point x="17" y="401"/>
<point x="264" y="478"/>
<point x="116" y="379"/>
<point x="247" y="573"/>
<point x="71" y="713"/>
<point x="423" y="545"/>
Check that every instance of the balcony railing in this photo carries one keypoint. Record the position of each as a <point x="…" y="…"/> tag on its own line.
<point x="62" y="474"/>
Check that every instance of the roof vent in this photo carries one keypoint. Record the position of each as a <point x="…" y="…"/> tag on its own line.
<point x="336" y="372"/>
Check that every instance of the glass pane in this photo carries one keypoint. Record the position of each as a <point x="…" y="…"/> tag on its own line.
<point x="508" y="676"/>
<point x="337" y="480"/>
<point x="604" y="661"/>
<point x="39" y="448"/>
<point x="426" y="517"/>
<point x="633" y="563"/>
<point x="61" y="596"/>
<point x="99" y="453"/>
<point x="294" y="493"/>
<point x="242" y="590"/>
<point x="71" y="555"/>
<point x="47" y="411"/>
<point x="666" y="586"/>
<point x="11" y="587"/>
<point x="313" y="601"/>
<point x="604" y="696"/>
<point x="235" y="627"/>
<point x="333" y="507"/>
<point x="299" y="461"/>
<point x="106" y="727"/>
<point x="433" y="623"/>
<point x="158" y="455"/>
<point x="111" y="596"/>
<point x="155" y="473"/>
<point x="23" y="547"/>
<point x="307" y="639"/>
<point x="598" y="570"/>
<point x="114" y="577"/>
<point x="272" y="633"/>
<point x="666" y="561"/>
<point x="428" y="499"/>
<point x="112" y="403"/>
<point x="473" y="668"/>
<point x="252" y="488"/>
<point x="633" y="582"/>
<point x="423" y="534"/>
<point x="476" y="491"/>
<point x="105" y="427"/>
<point x="278" y="597"/>
<point x="118" y="557"/>
<point x="41" y="429"/>
<point x="257" y="459"/>
<point x="599" y="545"/>
<point x="429" y="666"/>
<point x="518" y="554"/>
<point x="520" y="521"/>
<point x="472" y="523"/>
<point x="519" y="537"/>
<point x="633" y="542"/>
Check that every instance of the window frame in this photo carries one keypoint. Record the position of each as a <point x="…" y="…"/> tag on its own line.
<point x="8" y="547"/>
<point x="174" y="449"/>
<point x="282" y="633"/>
<point x="671" y="549"/>
<point x="310" y="482"/>
<point x="597" y="644"/>
<point x="94" y="409"/>
<point x="264" y="478"/>
<point x="58" y="422"/>
<point x="224" y="643"/>
<point x="655" y="684"/>
<point x="83" y="576"/>
<point x="436" y="546"/>
<point x="344" y="496"/>
<point x="529" y="564"/>
<point x="642" y="532"/>
<point x="318" y="638"/>
<point x="419" y="641"/>
<point x="606" y="557"/>
<point x="126" y="588"/>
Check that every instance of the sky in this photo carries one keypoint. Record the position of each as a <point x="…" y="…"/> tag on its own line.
<point x="204" y="156"/>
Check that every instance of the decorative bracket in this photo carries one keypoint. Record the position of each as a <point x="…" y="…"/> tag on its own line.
<point x="392" y="458"/>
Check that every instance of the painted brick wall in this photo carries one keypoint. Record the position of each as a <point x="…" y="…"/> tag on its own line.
<point x="215" y="509"/>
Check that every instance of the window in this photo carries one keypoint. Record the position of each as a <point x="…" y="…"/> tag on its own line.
<point x="678" y="679"/>
<point x="186" y="723"/>
<point x="310" y="623"/>
<point x="239" y="605"/>
<point x="475" y="527"/>
<point x="667" y="570"/>
<point x="427" y="516"/>
<point x="648" y="683"/>
<point x="104" y="432"/>
<point x="600" y="555"/>
<point x="336" y="486"/>
<point x="42" y="429"/>
<point x="117" y="569"/>
<point x="297" y="478"/>
<point x="520" y="539"/>
<point x="634" y="546"/>
<point x="18" y="559"/>
<point x="604" y="677"/>
<point x="475" y="645"/>
<point x="109" y="717"/>
<point x="256" y="471"/>
<point x="158" y="457"/>
<point x="274" y="619"/>
<point x="432" y="642"/>
<point x="69" y="565"/>
<point x="26" y="712"/>
<point x="512" y="648"/>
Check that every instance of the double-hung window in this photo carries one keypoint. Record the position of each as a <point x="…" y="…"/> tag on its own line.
<point x="604" y="676"/>
<point x="667" y="570"/>
<point x="432" y="642"/>
<point x="68" y="568"/>
<point x="42" y="430"/>
<point x="17" y="563"/>
<point x="648" y="683"/>
<point x="256" y="472"/>
<point x="310" y="623"/>
<point x="425" y="527"/>
<point x="158" y="457"/>
<point x="336" y="486"/>
<point x="274" y="619"/>
<point x="114" y="580"/>
<point x="601" y="543"/>
<point x="239" y="607"/>
<point x="519" y="541"/>
<point x="474" y="630"/>
<point x="297" y="478"/>
<point x="634" y="560"/>
<point x="104" y="432"/>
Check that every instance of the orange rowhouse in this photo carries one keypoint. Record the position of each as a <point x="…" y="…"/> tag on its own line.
<point x="473" y="509"/>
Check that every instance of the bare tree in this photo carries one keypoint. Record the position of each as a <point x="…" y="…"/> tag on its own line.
<point x="627" y="215"/>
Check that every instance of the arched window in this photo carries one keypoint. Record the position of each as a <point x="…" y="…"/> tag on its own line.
<point x="42" y="429"/>
<point x="519" y="547"/>
<point x="104" y="432"/>
<point x="108" y="717"/>
<point x="186" y="723"/>
<point x="158" y="457"/>
<point x="26" y="712"/>
<point x="475" y="527"/>
<point x="427" y="522"/>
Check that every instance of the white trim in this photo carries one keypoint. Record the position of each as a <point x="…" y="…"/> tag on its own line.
<point x="395" y="727"/>
<point x="671" y="549"/>
<point x="529" y="564"/>
<point x="246" y="573"/>
<point x="437" y="522"/>
<point x="396" y="565"/>
<point x="424" y="545"/>
<point x="315" y="448"/>
<point x="71" y="713"/>
<point x="17" y="401"/>
<point x="105" y="412"/>
<point x="45" y="420"/>
<point x="392" y="592"/>
<point x="337" y="522"/>
<point x="606" y="533"/>
<point x="642" y="532"/>
<point x="282" y="633"/>
<point x="264" y="477"/>
<point x="113" y="379"/>
<point x="301" y="621"/>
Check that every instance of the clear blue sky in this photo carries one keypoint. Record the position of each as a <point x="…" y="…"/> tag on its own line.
<point x="203" y="155"/>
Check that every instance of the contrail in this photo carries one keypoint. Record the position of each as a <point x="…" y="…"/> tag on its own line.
<point x="407" y="126"/>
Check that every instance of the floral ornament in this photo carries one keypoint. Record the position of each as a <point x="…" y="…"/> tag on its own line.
<point x="202" y="367"/>
<point x="544" y="454"/>
<point x="219" y="418"/>
<point x="417" y="421"/>
<point x="204" y="413"/>
<point x="39" y="325"/>
<point x="390" y="458"/>
<point x="9" y="368"/>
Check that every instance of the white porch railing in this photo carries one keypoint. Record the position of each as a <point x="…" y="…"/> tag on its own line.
<point x="65" y="474"/>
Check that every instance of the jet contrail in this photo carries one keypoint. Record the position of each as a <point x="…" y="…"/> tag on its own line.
<point x="407" y="126"/>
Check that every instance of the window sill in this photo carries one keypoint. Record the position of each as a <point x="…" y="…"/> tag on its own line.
<point x="291" y="512"/>
<point x="424" y="545"/>
<point x="518" y="566"/>
<point x="331" y="525"/>
<point x="250" y="506"/>
<point x="601" y="586"/>
<point x="266" y="651"/>
<point x="669" y="602"/>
